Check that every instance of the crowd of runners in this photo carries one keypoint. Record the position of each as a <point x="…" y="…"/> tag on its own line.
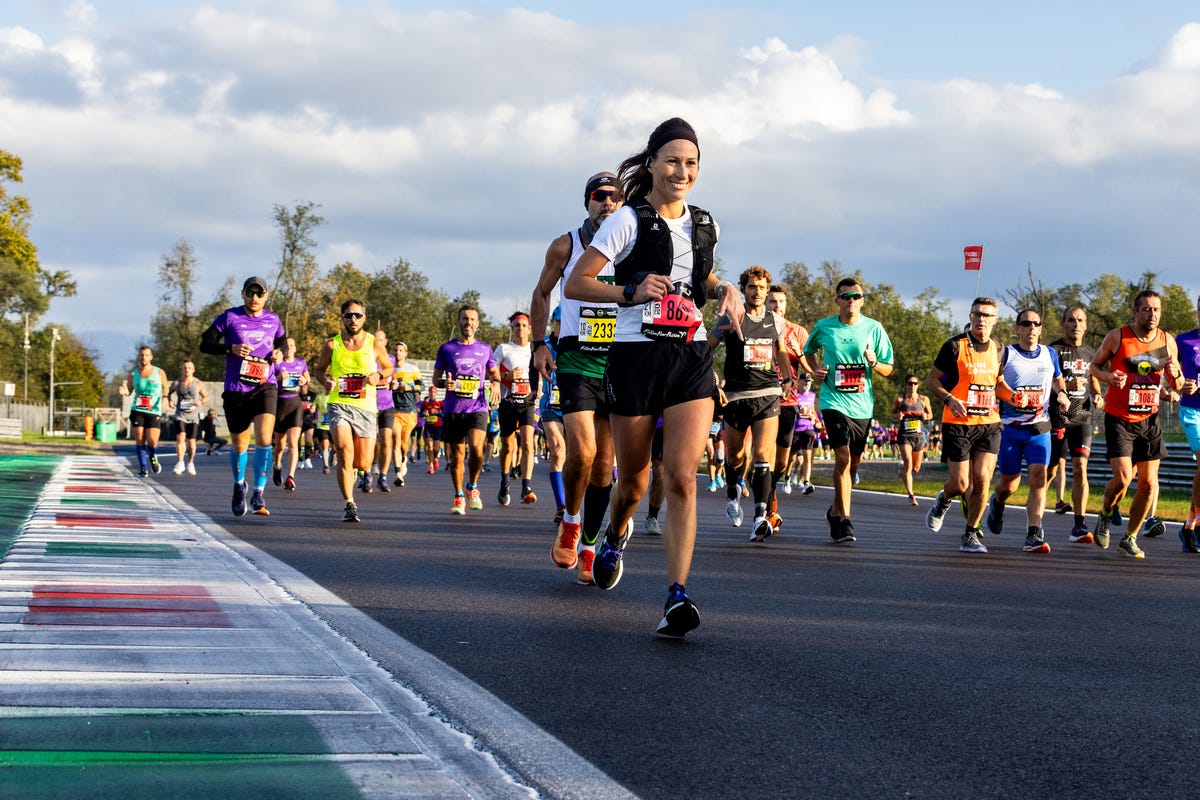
<point x="616" y="387"/>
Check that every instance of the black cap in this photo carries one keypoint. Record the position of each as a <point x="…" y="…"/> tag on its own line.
<point x="255" y="280"/>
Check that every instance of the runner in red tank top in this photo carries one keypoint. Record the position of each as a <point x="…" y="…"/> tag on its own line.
<point x="1135" y="361"/>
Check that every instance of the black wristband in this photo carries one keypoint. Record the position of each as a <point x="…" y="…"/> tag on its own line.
<point x="539" y="343"/>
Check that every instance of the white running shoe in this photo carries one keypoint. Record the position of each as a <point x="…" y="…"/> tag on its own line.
<point x="191" y="468"/>
<point x="733" y="510"/>
<point x="179" y="467"/>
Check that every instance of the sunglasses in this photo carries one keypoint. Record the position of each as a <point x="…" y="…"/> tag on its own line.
<point x="353" y="315"/>
<point x="851" y="296"/>
<point x="913" y="383"/>
<point x="1029" y="323"/>
<point x="982" y="315"/>
<point x="600" y="195"/>
<point x="255" y="292"/>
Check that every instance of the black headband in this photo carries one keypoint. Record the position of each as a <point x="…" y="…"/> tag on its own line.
<point x="669" y="131"/>
<point x="596" y="183"/>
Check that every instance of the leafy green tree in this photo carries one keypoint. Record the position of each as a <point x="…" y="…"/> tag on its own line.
<point x="26" y="289"/>
<point x="175" y="330"/>
<point x="402" y="303"/>
<point x="73" y="362"/>
<point x="811" y="295"/>
<point x="15" y="212"/>
<point x="298" y="269"/>
<point x="1179" y="309"/>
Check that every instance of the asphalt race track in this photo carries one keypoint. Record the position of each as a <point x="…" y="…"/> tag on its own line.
<point x="894" y="667"/>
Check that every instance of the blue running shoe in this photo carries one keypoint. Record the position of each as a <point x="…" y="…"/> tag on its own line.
<point x="1187" y="537"/>
<point x="239" y="499"/>
<point x="259" y="503"/>
<point x="609" y="565"/>
<point x="680" y="614"/>
<point x="995" y="515"/>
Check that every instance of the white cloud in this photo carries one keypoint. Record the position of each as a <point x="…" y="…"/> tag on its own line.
<point x="460" y="141"/>
<point x="19" y="39"/>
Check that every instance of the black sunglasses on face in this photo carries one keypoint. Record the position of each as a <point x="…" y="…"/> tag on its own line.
<point x="851" y="296"/>
<point x="600" y="195"/>
<point x="353" y="315"/>
<point x="1029" y="323"/>
<point x="255" y="292"/>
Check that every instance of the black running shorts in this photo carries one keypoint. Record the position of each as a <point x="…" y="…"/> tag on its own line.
<point x="241" y="408"/>
<point x="643" y="378"/>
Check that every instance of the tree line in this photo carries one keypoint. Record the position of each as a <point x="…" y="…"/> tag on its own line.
<point x="26" y="289"/>
<point x="402" y="302"/>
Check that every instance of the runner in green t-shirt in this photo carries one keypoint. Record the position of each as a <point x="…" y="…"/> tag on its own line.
<point x="853" y="348"/>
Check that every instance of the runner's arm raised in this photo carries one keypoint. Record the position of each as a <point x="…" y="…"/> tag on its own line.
<point x="553" y="267"/>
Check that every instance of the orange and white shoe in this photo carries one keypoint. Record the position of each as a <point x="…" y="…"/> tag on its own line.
<point x="529" y="498"/>
<point x="583" y="567"/>
<point x="563" y="552"/>
<point x="474" y="501"/>
<point x="775" y="521"/>
<point x="459" y="506"/>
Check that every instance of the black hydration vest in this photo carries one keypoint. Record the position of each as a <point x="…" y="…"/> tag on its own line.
<point x="653" y="252"/>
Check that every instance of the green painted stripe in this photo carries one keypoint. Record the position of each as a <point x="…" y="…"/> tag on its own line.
<point x="67" y="758"/>
<point x="22" y="479"/>
<point x="103" y="550"/>
<point x="97" y="780"/>
<point x="96" y="501"/>
<point x="181" y="755"/>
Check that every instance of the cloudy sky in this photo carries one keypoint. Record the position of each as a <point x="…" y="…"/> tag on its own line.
<point x="458" y="135"/>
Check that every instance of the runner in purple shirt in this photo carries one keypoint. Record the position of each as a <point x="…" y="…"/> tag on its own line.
<point x="385" y="445"/>
<point x="1189" y="419"/>
<point x="461" y="368"/>
<point x="252" y="339"/>
<point x="291" y="375"/>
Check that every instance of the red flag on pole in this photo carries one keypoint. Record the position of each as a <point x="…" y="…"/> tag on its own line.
<point x="973" y="257"/>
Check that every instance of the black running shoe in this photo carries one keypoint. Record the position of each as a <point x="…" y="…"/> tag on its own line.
<point x="834" y="523"/>
<point x="845" y="532"/>
<point x="351" y="513"/>
<point x="277" y="476"/>
<point x="503" y="497"/>
<point x="155" y="467"/>
<point x="680" y="615"/>
<point x="383" y="484"/>
<point x="1153" y="527"/>
<point x="239" y="499"/>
